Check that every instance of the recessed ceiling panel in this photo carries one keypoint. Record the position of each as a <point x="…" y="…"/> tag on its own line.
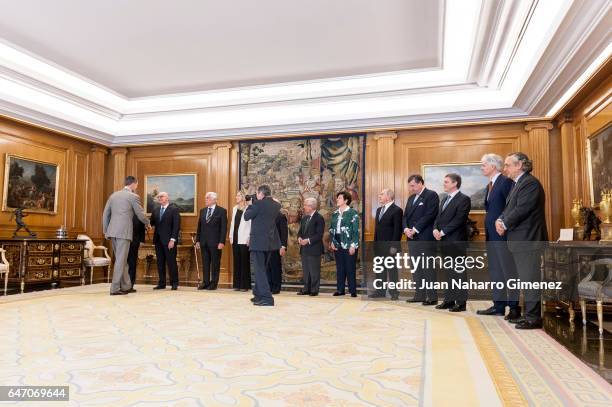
<point x="149" y="47"/>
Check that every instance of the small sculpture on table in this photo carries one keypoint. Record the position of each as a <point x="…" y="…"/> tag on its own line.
<point x="19" y="215"/>
<point x="590" y="223"/>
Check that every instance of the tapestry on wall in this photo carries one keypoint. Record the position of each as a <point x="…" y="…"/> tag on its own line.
<point x="296" y="169"/>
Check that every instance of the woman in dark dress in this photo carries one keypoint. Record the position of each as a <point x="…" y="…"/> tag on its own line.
<point x="239" y="235"/>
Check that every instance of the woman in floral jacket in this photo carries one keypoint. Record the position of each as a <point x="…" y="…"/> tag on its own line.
<point x="344" y="234"/>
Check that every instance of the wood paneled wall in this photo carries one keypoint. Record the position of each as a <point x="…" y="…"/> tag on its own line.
<point x="577" y="124"/>
<point x="80" y="198"/>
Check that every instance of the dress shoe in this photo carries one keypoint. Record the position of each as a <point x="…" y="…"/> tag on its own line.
<point x="337" y="293"/>
<point x="395" y="298"/>
<point x="516" y="320"/>
<point x="303" y="293"/>
<point x="119" y="293"/>
<point x="353" y="295"/>
<point x="245" y="289"/>
<point x="457" y="308"/>
<point x="445" y="305"/>
<point x="211" y="288"/>
<point x="236" y="289"/>
<point x="131" y="290"/>
<point x="263" y="304"/>
<point x="275" y="292"/>
<point x="529" y="325"/>
<point x="159" y="287"/>
<point x="174" y="287"/>
<point x="427" y="302"/>
<point x="513" y="314"/>
<point x="489" y="311"/>
<point x="313" y="294"/>
<point x="414" y="300"/>
<point x="254" y="299"/>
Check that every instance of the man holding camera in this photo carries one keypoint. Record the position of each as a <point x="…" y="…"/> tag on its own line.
<point x="263" y="240"/>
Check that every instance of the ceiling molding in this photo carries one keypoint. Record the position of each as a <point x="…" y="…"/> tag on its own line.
<point x="583" y="35"/>
<point x="471" y="85"/>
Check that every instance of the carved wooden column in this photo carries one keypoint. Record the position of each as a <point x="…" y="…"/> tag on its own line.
<point x="380" y="172"/>
<point x="95" y="191"/>
<point x="119" y="160"/>
<point x="221" y="169"/>
<point x="385" y="158"/>
<point x="539" y="153"/>
<point x="569" y="165"/>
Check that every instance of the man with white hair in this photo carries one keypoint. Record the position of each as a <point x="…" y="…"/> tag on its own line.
<point x="210" y="238"/>
<point x="310" y="239"/>
<point x="167" y="222"/>
<point x="501" y="263"/>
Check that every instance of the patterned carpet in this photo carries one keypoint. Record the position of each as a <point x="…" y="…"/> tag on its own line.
<point x="190" y="348"/>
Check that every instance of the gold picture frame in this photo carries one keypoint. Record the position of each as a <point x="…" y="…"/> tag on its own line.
<point x="473" y="183"/>
<point x="595" y="188"/>
<point x="180" y="188"/>
<point x="33" y="186"/>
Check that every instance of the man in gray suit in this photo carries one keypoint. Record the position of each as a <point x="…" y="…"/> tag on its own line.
<point x="262" y="241"/>
<point x="117" y="225"/>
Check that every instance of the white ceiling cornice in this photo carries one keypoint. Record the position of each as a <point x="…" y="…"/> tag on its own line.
<point x="501" y="60"/>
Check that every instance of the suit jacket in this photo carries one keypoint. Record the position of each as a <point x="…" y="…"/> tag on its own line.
<point x="282" y="228"/>
<point x="389" y="227"/>
<point x="120" y="208"/>
<point x="524" y="215"/>
<point x="453" y="219"/>
<point x="422" y="214"/>
<point x="264" y="235"/>
<point x="495" y="202"/>
<point x="138" y="234"/>
<point x="213" y="231"/>
<point x="168" y="226"/>
<point x="313" y="231"/>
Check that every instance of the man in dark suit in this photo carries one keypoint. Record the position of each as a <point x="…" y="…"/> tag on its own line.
<point x="450" y="228"/>
<point x="167" y="222"/>
<point x="310" y="239"/>
<point x="210" y="238"/>
<point x="138" y="236"/>
<point x="523" y="221"/>
<point x="275" y="265"/>
<point x="501" y="263"/>
<point x="419" y="216"/>
<point x="387" y="237"/>
<point x="263" y="240"/>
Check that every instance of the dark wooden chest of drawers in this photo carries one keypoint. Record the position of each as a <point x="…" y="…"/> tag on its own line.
<point x="34" y="261"/>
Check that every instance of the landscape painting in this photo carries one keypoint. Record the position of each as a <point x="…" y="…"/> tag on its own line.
<point x="30" y="185"/>
<point x="181" y="189"/>
<point x="473" y="183"/>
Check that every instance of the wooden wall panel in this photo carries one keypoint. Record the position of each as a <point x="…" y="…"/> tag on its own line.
<point x="72" y="157"/>
<point x="413" y="148"/>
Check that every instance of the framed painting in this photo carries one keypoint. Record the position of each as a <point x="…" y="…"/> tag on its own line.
<point x="30" y="184"/>
<point x="473" y="183"/>
<point x="181" y="189"/>
<point x="599" y="156"/>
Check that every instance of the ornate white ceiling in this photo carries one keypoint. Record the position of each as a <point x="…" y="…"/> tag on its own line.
<point x="276" y="69"/>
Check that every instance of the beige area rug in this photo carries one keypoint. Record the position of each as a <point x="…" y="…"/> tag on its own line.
<point x="190" y="348"/>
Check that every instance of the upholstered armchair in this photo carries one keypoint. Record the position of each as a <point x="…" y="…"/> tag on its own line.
<point x="4" y="268"/>
<point x="92" y="261"/>
<point x="599" y="291"/>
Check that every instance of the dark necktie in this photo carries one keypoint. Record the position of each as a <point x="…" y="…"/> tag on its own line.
<point x="306" y="223"/>
<point x="448" y="199"/>
<point x="382" y="212"/>
<point x="208" y="214"/>
<point x="161" y="212"/>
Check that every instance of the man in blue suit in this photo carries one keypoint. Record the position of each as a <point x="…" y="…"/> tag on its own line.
<point x="419" y="216"/>
<point x="501" y="263"/>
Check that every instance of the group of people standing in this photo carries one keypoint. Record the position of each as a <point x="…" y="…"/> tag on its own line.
<point x="515" y="230"/>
